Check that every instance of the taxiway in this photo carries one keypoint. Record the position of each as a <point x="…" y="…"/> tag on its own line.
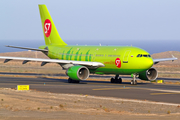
<point x="141" y="91"/>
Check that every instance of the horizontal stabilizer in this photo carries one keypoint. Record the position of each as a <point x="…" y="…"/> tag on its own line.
<point x="35" y="49"/>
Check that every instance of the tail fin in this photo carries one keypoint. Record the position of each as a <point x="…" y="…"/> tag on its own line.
<point x="51" y="35"/>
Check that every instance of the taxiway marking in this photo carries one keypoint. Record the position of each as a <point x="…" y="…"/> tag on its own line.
<point x="163" y="93"/>
<point x="160" y="90"/>
<point x="110" y="88"/>
<point x="112" y="84"/>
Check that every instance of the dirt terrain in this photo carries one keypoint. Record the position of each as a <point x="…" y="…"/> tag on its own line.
<point x="33" y="104"/>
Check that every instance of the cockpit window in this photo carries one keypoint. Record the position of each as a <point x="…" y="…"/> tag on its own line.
<point x="143" y="55"/>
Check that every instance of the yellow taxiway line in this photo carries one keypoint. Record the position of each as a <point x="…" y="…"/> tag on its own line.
<point x="163" y="93"/>
<point x="110" y="88"/>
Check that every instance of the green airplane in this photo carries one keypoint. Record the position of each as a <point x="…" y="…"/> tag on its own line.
<point x="80" y="61"/>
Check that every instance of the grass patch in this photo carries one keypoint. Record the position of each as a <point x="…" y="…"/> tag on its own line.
<point x="61" y="106"/>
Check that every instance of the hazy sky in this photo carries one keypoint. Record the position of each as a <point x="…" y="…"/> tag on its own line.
<point x="106" y="21"/>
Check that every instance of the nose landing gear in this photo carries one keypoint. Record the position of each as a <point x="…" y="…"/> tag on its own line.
<point x="134" y="81"/>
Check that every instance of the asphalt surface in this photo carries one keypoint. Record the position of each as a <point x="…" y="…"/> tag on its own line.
<point x="141" y="91"/>
<point x="95" y="76"/>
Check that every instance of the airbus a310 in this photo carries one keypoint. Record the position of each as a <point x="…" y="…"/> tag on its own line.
<point x="80" y="61"/>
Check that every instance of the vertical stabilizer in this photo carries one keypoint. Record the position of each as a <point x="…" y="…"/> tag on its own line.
<point x="50" y="32"/>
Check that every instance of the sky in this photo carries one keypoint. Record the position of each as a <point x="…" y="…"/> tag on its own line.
<point x="153" y="25"/>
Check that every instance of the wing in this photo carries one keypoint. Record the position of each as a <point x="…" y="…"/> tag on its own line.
<point x="164" y="59"/>
<point x="64" y="63"/>
<point x="61" y="62"/>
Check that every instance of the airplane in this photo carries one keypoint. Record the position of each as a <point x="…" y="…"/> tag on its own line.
<point x="80" y="61"/>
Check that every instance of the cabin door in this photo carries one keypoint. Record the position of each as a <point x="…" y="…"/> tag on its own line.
<point x="126" y="56"/>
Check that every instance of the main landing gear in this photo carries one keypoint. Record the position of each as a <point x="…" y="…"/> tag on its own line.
<point x="134" y="81"/>
<point x="116" y="79"/>
<point x="73" y="81"/>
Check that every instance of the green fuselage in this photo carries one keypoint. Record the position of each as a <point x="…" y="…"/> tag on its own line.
<point x="107" y="55"/>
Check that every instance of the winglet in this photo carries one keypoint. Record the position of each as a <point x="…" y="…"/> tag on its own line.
<point x="173" y="57"/>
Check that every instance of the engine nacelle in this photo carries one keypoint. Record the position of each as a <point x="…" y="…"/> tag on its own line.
<point x="78" y="72"/>
<point x="150" y="74"/>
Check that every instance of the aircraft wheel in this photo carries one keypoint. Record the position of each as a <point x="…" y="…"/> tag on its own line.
<point x="120" y="80"/>
<point x="70" y="80"/>
<point x="73" y="81"/>
<point x="77" y="81"/>
<point x="112" y="80"/>
<point x="133" y="82"/>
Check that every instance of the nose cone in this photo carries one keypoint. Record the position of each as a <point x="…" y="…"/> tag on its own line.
<point x="149" y="62"/>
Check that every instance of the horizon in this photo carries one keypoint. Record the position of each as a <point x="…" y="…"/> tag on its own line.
<point x="150" y="46"/>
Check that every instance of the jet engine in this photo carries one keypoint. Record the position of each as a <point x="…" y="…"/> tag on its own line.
<point x="78" y="72"/>
<point x="150" y="74"/>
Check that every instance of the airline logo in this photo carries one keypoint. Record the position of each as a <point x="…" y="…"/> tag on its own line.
<point x="118" y="62"/>
<point x="47" y="27"/>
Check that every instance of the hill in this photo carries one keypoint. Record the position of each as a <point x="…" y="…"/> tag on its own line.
<point x="168" y="54"/>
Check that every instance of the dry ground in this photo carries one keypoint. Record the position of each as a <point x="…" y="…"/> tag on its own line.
<point x="33" y="104"/>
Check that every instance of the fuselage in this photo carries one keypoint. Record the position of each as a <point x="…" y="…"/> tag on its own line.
<point x="124" y="60"/>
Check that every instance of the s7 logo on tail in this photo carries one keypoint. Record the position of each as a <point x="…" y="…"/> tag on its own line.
<point x="47" y="27"/>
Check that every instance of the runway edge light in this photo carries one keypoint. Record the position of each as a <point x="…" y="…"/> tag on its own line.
<point x="22" y="87"/>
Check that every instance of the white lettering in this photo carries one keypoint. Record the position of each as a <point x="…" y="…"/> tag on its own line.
<point x="47" y="26"/>
<point x="117" y="62"/>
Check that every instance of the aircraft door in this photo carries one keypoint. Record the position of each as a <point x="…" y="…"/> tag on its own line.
<point x="126" y="56"/>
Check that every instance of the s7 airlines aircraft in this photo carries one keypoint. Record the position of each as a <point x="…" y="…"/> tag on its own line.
<point x="80" y="61"/>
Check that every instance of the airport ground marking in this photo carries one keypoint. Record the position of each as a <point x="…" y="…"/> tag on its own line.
<point x="112" y="84"/>
<point x="163" y="93"/>
<point x="160" y="90"/>
<point x="110" y="88"/>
